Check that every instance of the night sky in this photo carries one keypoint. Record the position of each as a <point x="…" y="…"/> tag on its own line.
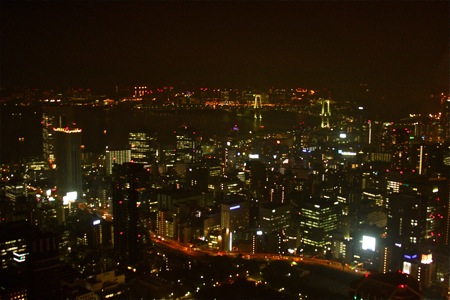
<point x="399" y="48"/>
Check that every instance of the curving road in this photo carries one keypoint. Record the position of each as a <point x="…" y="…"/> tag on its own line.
<point x="189" y="250"/>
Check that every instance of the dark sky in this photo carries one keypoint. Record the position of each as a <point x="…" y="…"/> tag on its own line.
<point x="390" y="45"/>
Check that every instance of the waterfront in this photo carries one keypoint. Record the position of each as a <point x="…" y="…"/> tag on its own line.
<point x="110" y="126"/>
<point x="118" y="122"/>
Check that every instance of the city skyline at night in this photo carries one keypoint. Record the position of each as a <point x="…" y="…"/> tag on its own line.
<point x="224" y="150"/>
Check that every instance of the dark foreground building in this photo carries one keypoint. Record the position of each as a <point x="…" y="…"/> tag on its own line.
<point x="394" y="285"/>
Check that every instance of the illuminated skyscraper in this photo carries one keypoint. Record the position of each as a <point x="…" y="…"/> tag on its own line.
<point x="116" y="157"/>
<point x="47" y="137"/>
<point x="68" y="160"/>
<point x="143" y="147"/>
<point x="188" y="147"/>
<point x="445" y="117"/>
<point x="318" y="218"/>
<point x="53" y="116"/>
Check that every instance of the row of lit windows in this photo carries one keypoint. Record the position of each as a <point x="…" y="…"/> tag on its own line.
<point x="10" y="249"/>
<point x="11" y="242"/>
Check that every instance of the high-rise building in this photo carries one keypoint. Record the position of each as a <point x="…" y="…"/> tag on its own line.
<point x="386" y="286"/>
<point x="68" y="160"/>
<point x="419" y="211"/>
<point x="47" y="137"/>
<point x="116" y="157"/>
<point x="53" y="117"/>
<point x="445" y="103"/>
<point x="318" y="218"/>
<point x="188" y="145"/>
<point x="197" y="177"/>
<point x="257" y="173"/>
<point x="13" y="244"/>
<point x="128" y="178"/>
<point x="30" y="256"/>
<point x="274" y="217"/>
<point x="143" y="147"/>
<point x="235" y="215"/>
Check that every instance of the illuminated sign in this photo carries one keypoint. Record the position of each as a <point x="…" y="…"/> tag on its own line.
<point x="368" y="243"/>
<point x="235" y="207"/>
<point x="406" y="267"/>
<point x="259" y="232"/>
<point x="342" y="135"/>
<point x="348" y="153"/>
<point x="426" y="259"/>
<point x="96" y="222"/>
<point x="67" y="130"/>
<point x="70" y="197"/>
<point x="19" y="257"/>
<point x="253" y="156"/>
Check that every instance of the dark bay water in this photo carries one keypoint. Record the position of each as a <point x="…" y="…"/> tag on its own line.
<point x="110" y="127"/>
<point x="118" y="123"/>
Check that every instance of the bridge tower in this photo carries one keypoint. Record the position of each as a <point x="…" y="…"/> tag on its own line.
<point x="257" y="106"/>
<point x="326" y="113"/>
<point x="257" y="103"/>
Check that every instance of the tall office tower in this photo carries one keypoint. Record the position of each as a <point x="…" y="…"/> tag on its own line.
<point x="143" y="147"/>
<point x="44" y="266"/>
<point x="127" y="179"/>
<point x="420" y="212"/>
<point x="188" y="145"/>
<point x="274" y="217"/>
<point x="68" y="160"/>
<point x="427" y="158"/>
<point x="53" y="117"/>
<point x="318" y="218"/>
<point x="234" y="216"/>
<point x="116" y="157"/>
<point x="407" y="219"/>
<point x="30" y="256"/>
<point x="197" y="177"/>
<point x="47" y="137"/>
<point x="445" y="103"/>
<point x="257" y="173"/>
